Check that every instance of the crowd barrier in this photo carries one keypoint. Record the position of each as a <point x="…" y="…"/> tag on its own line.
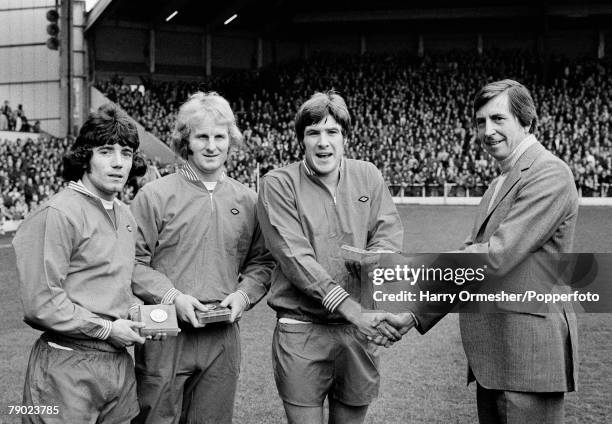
<point x="454" y="194"/>
<point x="9" y="226"/>
<point x="455" y="190"/>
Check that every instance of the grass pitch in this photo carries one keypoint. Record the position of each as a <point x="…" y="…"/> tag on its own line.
<point x="423" y="377"/>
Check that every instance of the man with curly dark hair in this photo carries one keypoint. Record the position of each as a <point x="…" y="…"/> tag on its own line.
<point x="75" y="257"/>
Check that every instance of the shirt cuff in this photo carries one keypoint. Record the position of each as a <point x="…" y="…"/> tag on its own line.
<point x="168" y="298"/>
<point x="246" y="298"/>
<point x="133" y="311"/>
<point x="105" y="331"/>
<point x="334" y="298"/>
<point x="414" y="318"/>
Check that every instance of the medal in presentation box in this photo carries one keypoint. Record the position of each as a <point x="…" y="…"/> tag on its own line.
<point x="215" y="313"/>
<point x="158" y="319"/>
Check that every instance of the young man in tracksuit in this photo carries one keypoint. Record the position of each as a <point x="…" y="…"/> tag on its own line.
<point x="75" y="257"/>
<point x="198" y="243"/>
<point x="307" y="211"/>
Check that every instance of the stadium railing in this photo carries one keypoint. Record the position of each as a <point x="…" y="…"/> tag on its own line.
<point x="598" y="190"/>
<point x="456" y="190"/>
<point x="436" y="190"/>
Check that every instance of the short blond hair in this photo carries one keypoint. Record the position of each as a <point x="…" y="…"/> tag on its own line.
<point x="209" y="104"/>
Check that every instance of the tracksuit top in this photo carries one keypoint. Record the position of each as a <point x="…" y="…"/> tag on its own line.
<point x="192" y="241"/>
<point x="305" y="226"/>
<point x="75" y="265"/>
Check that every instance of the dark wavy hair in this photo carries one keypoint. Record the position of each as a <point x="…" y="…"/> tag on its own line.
<point x="107" y="126"/>
<point x="319" y="106"/>
<point x="520" y="102"/>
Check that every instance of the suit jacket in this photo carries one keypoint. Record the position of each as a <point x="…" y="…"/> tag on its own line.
<point x="533" y="214"/>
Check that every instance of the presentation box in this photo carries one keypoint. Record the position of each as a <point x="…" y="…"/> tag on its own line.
<point x="158" y="319"/>
<point x="215" y="313"/>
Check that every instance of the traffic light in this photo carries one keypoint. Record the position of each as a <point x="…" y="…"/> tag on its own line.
<point x="53" y="29"/>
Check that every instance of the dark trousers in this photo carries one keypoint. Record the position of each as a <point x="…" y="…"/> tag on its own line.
<point x="506" y="407"/>
<point x="190" y="378"/>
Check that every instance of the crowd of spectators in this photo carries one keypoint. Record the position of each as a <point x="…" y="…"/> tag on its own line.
<point x="411" y="117"/>
<point x="29" y="173"/>
<point x="19" y="185"/>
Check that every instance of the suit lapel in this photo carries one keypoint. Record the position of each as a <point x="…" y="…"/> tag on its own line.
<point x="482" y="210"/>
<point x="514" y="175"/>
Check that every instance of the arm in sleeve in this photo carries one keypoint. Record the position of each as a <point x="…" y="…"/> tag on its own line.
<point x="258" y="265"/>
<point x="539" y="209"/>
<point x="147" y="283"/>
<point x="386" y="231"/>
<point x="42" y="268"/>
<point x="427" y="314"/>
<point x="280" y="224"/>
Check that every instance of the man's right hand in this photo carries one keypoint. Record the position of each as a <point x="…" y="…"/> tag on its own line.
<point x="392" y="327"/>
<point x="370" y="323"/>
<point x="186" y="306"/>
<point x="402" y="322"/>
<point x="124" y="333"/>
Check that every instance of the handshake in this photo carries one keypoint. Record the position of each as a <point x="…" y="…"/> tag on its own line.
<point x="385" y="328"/>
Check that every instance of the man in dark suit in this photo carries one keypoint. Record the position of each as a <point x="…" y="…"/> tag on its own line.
<point x="522" y="360"/>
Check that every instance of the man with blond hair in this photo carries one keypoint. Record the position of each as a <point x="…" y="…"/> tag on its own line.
<point x="198" y="243"/>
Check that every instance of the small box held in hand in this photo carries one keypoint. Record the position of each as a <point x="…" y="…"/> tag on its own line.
<point x="215" y="313"/>
<point x="350" y="253"/>
<point x="158" y="319"/>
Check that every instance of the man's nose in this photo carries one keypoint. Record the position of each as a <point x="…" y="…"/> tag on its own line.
<point x="323" y="140"/>
<point x="489" y="128"/>
<point x="210" y="145"/>
<point x="117" y="159"/>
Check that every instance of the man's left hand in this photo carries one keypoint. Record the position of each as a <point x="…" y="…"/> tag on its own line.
<point x="236" y="303"/>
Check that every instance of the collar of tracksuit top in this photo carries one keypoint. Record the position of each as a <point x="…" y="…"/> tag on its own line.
<point x="313" y="175"/>
<point x="187" y="171"/>
<point x="80" y="187"/>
